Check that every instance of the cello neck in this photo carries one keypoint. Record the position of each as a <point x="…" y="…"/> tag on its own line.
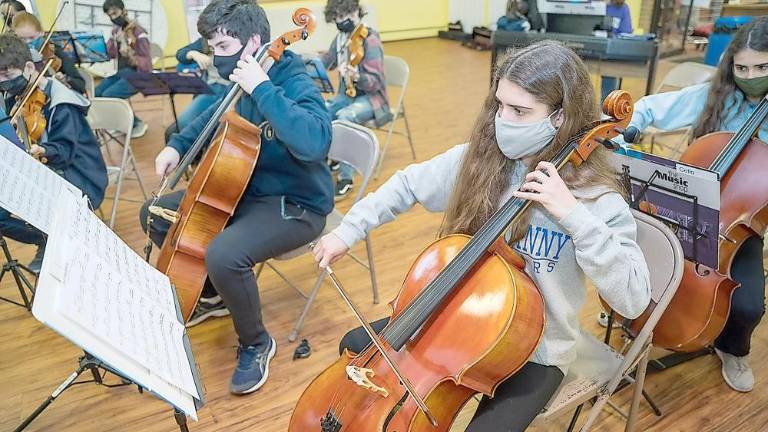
<point x="740" y="139"/>
<point x="407" y="324"/>
<point x="232" y="96"/>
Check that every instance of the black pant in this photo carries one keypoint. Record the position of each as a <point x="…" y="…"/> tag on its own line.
<point x="747" y="302"/>
<point x="517" y="401"/>
<point x="19" y="230"/>
<point x="260" y="229"/>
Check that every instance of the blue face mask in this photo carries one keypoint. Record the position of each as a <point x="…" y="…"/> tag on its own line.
<point x="36" y="44"/>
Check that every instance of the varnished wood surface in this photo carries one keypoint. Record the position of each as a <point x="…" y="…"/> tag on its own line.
<point x="448" y="85"/>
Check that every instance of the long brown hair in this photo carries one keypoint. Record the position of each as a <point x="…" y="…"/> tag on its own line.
<point x="556" y="77"/>
<point x="754" y="36"/>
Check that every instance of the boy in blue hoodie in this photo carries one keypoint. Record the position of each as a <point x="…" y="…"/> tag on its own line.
<point x="290" y="192"/>
<point x="68" y="144"/>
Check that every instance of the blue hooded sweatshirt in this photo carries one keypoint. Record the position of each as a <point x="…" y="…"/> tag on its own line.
<point x="292" y="163"/>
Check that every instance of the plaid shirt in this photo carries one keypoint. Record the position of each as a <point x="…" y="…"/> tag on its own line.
<point x="371" y="81"/>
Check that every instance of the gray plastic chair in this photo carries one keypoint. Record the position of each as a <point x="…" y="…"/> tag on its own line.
<point x="397" y="74"/>
<point x="358" y="147"/>
<point x="598" y="368"/>
<point x="106" y="117"/>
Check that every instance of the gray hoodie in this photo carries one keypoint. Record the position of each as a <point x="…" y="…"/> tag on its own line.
<point x="595" y="241"/>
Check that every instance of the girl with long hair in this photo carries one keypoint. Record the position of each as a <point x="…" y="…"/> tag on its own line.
<point x="580" y="226"/>
<point x="724" y="104"/>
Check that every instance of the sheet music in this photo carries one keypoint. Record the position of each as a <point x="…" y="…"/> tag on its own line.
<point x="28" y="189"/>
<point x="106" y="286"/>
<point x="101" y="295"/>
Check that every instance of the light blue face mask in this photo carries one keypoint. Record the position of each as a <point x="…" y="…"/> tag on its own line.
<point x="519" y="141"/>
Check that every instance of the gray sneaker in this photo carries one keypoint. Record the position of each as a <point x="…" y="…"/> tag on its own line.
<point x="205" y="310"/>
<point x="736" y="372"/>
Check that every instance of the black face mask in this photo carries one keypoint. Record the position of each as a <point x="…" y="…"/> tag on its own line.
<point x="15" y="86"/>
<point x="346" y="26"/>
<point x="119" y="21"/>
<point x="227" y="64"/>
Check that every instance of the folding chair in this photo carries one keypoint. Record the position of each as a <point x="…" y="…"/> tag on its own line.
<point x="358" y="147"/>
<point x="397" y="74"/>
<point x="108" y="115"/>
<point x="599" y="369"/>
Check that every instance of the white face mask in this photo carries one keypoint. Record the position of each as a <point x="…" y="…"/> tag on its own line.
<point x="519" y="141"/>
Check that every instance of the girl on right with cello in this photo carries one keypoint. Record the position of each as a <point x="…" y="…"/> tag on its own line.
<point x="724" y="104"/>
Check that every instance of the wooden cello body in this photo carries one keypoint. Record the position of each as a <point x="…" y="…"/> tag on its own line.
<point x="209" y="202"/>
<point x="498" y="309"/>
<point x="219" y="182"/>
<point x="467" y="317"/>
<point x="699" y="310"/>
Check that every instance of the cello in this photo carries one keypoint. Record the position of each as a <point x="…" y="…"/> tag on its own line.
<point x="467" y="317"/>
<point x="219" y="182"/>
<point x="699" y="310"/>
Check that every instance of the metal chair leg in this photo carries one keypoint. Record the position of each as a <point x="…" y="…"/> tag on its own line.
<point x="639" y="382"/>
<point x="386" y="143"/>
<point x="300" y="322"/>
<point x="408" y="133"/>
<point x="372" y="269"/>
<point x="119" y="187"/>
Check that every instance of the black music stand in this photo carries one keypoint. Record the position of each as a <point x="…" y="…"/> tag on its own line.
<point x="82" y="47"/>
<point x="13" y="267"/>
<point x="167" y="83"/>
<point x="88" y="362"/>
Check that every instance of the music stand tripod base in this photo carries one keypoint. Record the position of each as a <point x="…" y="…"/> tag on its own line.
<point x="13" y="267"/>
<point x="90" y="363"/>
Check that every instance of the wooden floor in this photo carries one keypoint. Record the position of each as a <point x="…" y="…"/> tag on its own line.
<point x="448" y="85"/>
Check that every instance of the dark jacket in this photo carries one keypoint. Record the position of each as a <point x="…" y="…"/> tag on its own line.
<point x="292" y="163"/>
<point x="70" y="145"/>
<point x="74" y="79"/>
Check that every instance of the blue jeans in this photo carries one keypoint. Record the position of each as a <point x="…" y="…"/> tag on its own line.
<point x="19" y="230"/>
<point x="358" y="110"/>
<point x="607" y="85"/>
<point x="199" y="104"/>
<point x="117" y="87"/>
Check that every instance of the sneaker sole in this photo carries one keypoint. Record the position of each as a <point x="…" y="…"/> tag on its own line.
<point x="725" y="377"/>
<point x="263" y="379"/>
<point x="212" y="314"/>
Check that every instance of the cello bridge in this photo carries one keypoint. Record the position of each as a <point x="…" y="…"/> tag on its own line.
<point x="362" y="377"/>
<point x="169" y="215"/>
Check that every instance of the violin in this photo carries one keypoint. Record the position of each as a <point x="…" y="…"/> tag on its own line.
<point x="29" y="106"/>
<point x="438" y="350"/>
<point x="219" y="182"/>
<point x="356" y="55"/>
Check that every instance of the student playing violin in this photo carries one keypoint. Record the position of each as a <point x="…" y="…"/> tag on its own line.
<point x="68" y="143"/>
<point x="725" y="104"/>
<point x="28" y="28"/>
<point x="370" y="101"/>
<point x="540" y="97"/>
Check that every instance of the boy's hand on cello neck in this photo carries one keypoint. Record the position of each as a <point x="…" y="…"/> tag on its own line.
<point x="248" y="74"/>
<point x="545" y="186"/>
<point x="329" y="249"/>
